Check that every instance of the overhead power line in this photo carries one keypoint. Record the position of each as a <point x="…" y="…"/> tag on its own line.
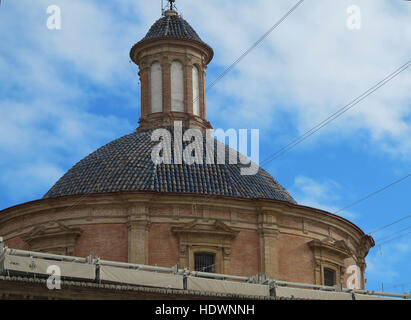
<point x="390" y="224"/>
<point x="395" y="238"/>
<point x="265" y="35"/>
<point x="395" y="234"/>
<point x="372" y="194"/>
<point x="337" y="114"/>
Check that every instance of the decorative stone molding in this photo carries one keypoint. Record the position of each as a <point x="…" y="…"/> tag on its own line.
<point x="366" y="243"/>
<point x="206" y="214"/>
<point x="176" y="212"/>
<point x="196" y="237"/>
<point x="233" y="216"/>
<point x="53" y="237"/>
<point x="269" y="219"/>
<point x="329" y="253"/>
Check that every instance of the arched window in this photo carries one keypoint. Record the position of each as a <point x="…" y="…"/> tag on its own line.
<point x="196" y="92"/>
<point x="177" y="87"/>
<point x="156" y="88"/>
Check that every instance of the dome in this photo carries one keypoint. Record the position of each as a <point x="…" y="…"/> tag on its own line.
<point x="125" y="165"/>
<point x="171" y="26"/>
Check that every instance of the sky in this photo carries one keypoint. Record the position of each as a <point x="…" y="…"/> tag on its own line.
<point x="64" y="93"/>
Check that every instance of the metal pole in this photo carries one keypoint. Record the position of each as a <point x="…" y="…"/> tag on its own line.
<point x="134" y="266"/>
<point x="43" y="255"/>
<point x="263" y="280"/>
<point x="304" y="285"/>
<point x="215" y="275"/>
<point x="1" y="245"/>
<point x="387" y="294"/>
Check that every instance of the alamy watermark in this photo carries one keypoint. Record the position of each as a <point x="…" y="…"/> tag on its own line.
<point x="54" y="280"/>
<point x="354" y="18"/>
<point x="354" y="277"/>
<point x="177" y="147"/>
<point x="54" y="20"/>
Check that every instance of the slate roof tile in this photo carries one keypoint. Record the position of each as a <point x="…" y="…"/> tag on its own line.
<point x="125" y="165"/>
<point x="172" y="26"/>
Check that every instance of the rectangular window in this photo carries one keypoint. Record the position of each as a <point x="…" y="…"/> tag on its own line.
<point x="204" y="262"/>
<point x="329" y="277"/>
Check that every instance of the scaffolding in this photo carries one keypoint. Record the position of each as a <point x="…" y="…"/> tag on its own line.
<point x="93" y="269"/>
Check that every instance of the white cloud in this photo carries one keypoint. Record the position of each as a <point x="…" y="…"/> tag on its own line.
<point x="384" y="263"/>
<point x="322" y="195"/>
<point x="28" y="179"/>
<point x="311" y="66"/>
<point x="304" y="71"/>
<point x="46" y="122"/>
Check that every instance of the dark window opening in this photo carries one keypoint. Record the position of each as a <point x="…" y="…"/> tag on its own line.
<point x="204" y="262"/>
<point x="329" y="277"/>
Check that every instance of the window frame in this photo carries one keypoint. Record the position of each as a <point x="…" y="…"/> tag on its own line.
<point x="155" y="90"/>
<point x="205" y="253"/>
<point x="175" y="95"/>
<point x="334" y="273"/>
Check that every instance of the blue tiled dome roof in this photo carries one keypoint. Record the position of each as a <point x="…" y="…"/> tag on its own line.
<point x="171" y="26"/>
<point x="125" y="165"/>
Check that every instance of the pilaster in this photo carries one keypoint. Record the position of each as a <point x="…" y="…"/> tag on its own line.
<point x="188" y="86"/>
<point x="268" y="232"/>
<point x="166" y="68"/>
<point x="138" y="231"/>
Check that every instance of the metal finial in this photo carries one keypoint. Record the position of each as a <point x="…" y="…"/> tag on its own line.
<point x="172" y="6"/>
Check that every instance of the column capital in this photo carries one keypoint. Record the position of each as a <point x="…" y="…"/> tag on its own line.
<point x="268" y="232"/>
<point x="139" y="223"/>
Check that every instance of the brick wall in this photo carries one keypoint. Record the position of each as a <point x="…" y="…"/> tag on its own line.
<point x="17" y="243"/>
<point x="296" y="260"/>
<point x="162" y="246"/>
<point x="245" y="248"/>
<point x="108" y="241"/>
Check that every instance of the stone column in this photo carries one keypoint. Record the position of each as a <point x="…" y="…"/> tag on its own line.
<point x="188" y="86"/>
<point x="362" y="266"/>
<point x="184" y="255"/>
<point x="268" y="244"/>
<point x="145" y="90"/>
<point x="203" y="108"/>
<point x="138" y="232"/>
<point x="318" y="272"/>
<point x="166" y="68"/>
<point x="226" y="260"/>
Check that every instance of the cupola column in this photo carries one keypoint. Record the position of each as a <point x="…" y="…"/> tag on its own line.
<point x="188" y="84"/>
<point x="145" y="90"/>
<point x="166" y="69"/>
<point x="203" y="107"/>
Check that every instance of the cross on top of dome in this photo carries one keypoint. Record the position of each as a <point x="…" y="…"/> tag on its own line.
<point x="172" y="6"/>
<point x="169" y="9"/>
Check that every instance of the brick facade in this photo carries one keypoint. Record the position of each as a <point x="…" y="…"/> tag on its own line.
<point x="149" y="229"/>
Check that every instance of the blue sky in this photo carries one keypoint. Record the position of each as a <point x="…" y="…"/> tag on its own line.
<point x="65" y="93"/>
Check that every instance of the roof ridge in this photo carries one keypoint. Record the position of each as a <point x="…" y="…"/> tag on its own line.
<point x="167" y="25"/>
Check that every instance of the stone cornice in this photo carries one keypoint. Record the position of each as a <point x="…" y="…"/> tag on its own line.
<point x="164" y="42"/>
<point x="336" y="248"/>
<point x="196" y="227"/>
<point x="128" y="200"/>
